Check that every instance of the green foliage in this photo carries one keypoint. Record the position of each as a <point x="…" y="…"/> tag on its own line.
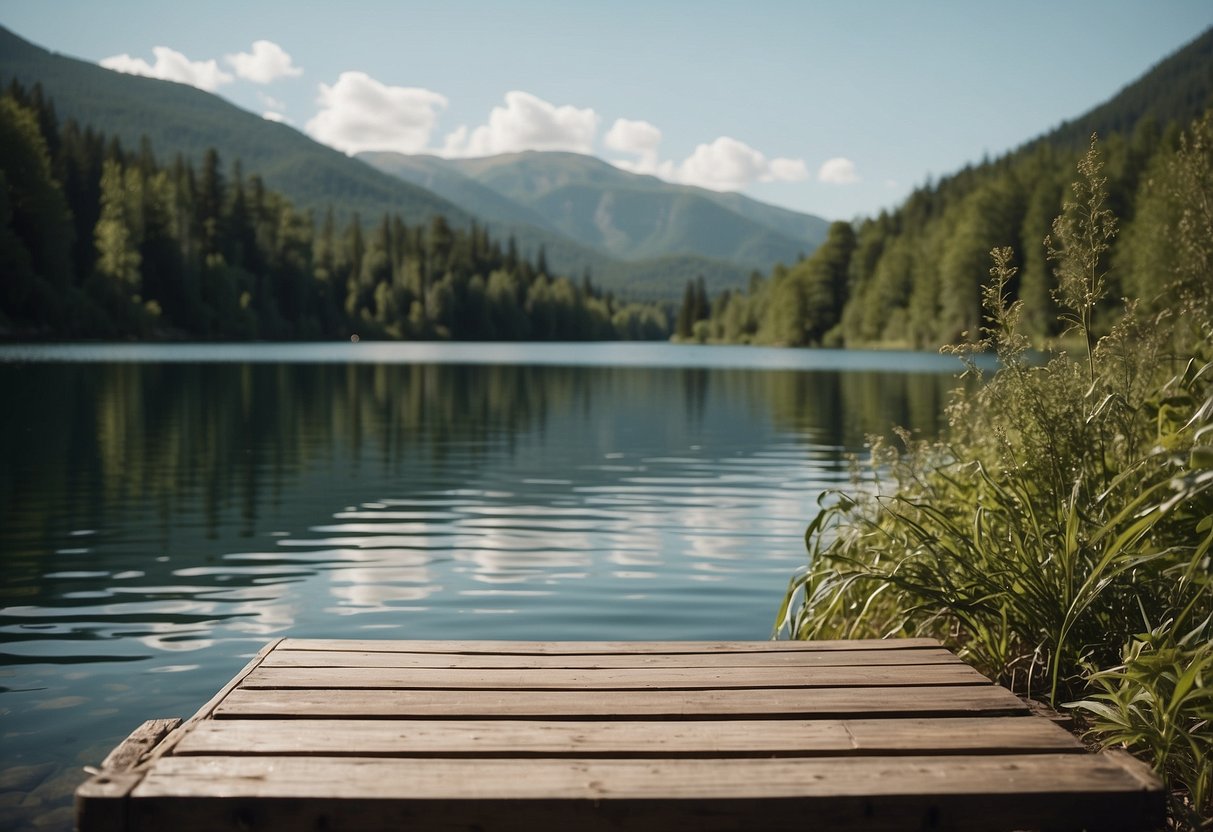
<point x="798" y="306"/>
<point x="1080" y="239"/>
<point x="36" y="234"/>
<point x="177" y="252"/>
<point x="1068" y="511"/>
<point x="1175" y="196"/>
<point x="693" y="311"/>
<point x="1158" y="702"/>
<point x="117" y="256"/>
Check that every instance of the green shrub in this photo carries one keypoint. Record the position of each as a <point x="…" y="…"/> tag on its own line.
<point x="1068" y="511"/>
<point x="1158" y="703"/>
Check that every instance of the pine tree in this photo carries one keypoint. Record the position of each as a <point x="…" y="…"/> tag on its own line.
<point x="118" y="257"/>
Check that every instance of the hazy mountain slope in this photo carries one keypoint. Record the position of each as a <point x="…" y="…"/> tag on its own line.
<point x="442" y="178"/>
<point x="667" y="219"/>
<point x="181" y="119"/>
<point x="528" y="175"/>
<point x="631" y="224"/>
<point x="622" y="214"/>
<point x="807" y="227"/>
<point x="648" y="273"/>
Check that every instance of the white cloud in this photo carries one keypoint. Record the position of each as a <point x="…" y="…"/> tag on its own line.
<point x="787" y="170"/>
<point x="635" y="137"/>
<point x="838" y="171"/>
<point x="526" y="122"/>
<point x="359" y="113"/>
<point x="267" y="62"/>
<point x="171" y="66"/>
<point x="278" y="118"/>
<point x="724" y="165"/>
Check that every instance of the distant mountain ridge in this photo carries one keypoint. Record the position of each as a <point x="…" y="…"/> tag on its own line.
<point x="177" y="118"/>
<point x="1176" y="89"/>
<point x="625" y="215"/>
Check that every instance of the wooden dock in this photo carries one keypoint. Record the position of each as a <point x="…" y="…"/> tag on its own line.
<point x="428" y="735"/>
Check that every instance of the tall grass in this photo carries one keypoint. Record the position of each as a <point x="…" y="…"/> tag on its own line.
<point x="1059" y="537"/>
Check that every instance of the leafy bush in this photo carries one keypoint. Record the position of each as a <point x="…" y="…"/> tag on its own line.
<point x="1159" y="703"/>
<point x="1068" y="512"/>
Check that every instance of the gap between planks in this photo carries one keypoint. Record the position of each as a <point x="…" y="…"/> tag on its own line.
<point x="598" y="661"/>
<point x="583" y="648"/>
<point x="655" y="679"/>
<point x="765" y="703"/>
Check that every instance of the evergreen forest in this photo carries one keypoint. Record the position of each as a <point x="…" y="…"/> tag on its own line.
<point x="102" y="241"/>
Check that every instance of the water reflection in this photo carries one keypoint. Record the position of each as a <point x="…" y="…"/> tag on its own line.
<point x="159" y="522"/>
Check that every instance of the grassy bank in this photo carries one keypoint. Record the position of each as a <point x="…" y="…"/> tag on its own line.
<point x="1059" y="536"/>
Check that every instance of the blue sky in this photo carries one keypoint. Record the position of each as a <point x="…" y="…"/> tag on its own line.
<point x="830" y="108"/>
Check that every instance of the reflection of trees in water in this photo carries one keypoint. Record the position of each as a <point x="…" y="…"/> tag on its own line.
<point x="83" y="442"/>
<point x="695" y="384"/>
<point x="841" y="409"/>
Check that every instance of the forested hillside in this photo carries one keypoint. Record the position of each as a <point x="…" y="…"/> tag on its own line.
<point x="97" y="240"/>
<point x="912" y="277"/>
<point x="179" y="119"/>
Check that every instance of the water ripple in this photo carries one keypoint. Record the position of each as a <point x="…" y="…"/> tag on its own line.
<point x="162" y="520"/>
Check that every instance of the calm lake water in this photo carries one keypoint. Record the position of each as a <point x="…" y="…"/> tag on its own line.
<point x="166" y="510"/>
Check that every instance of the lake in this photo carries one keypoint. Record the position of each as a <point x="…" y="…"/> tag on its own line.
<point x="167" y="509"/>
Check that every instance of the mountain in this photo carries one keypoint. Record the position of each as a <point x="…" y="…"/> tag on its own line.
<point x="912" y="277"/>
<point x="181" y="119"/>
<point x="1177" y="89"/>
<point x="626" y="215"/>
<point x="441" y="177"/>
<point x="177" y="118"/>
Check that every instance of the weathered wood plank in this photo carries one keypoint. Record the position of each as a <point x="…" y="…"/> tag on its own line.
<point x="1135" y="768"/>
<point x="589" y="779"/>
<point x="629" y="678"/>
<point x="793" y="658"/>
<point x="209" y="708"/>
<point x="1013" y="792"/>
<point x="101" y="801"/>
<point x="731" y="737"/>
<point x="995" y="735"/>
<point x="958" y="700"/>
<point x="141" y="741"/>
<point x="515" y="736"/>
<point x="582" y="648"/>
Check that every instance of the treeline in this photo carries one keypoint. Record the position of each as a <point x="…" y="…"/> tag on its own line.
<point x="912" y="277"/>
<point x="99" y="241"/>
